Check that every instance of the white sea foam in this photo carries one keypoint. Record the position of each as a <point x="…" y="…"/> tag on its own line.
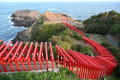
<point x="11" y="22"/>
<point x="18" y="27"/>
<point x="9" y="17"/>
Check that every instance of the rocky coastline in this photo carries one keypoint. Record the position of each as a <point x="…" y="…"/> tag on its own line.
<point x="28" y="18"/>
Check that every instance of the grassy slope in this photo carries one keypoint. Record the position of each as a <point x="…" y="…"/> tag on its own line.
<point x="104" y="23"/>
<point x="63" y="74"/>
<point x="58" y="34"/>
<point x="64" y="37"/>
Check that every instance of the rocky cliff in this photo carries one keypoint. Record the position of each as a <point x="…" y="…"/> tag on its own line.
<point x="59" y="17"/>
<point x="25" y="17"/>
<point x="46" y="18"/>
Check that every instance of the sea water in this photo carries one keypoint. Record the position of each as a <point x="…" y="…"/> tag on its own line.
<point x="77" y="10"/>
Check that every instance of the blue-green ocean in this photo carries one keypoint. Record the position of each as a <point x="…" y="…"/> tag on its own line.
<point x="78" y="10"/>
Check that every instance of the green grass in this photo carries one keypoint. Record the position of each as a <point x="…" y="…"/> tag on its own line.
<point x="56" y="33"/>
<point x="63" y="74"/>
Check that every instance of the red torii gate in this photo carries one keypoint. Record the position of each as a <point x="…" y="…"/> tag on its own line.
<point x="103" y="56"/>
<point x="40" y="54"/>
<point x="86" y="67"/>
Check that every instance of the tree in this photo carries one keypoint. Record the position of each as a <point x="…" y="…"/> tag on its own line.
<point x="103" y="23"/>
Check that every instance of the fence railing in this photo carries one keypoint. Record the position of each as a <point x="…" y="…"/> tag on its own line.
<point x="27" y="57"/>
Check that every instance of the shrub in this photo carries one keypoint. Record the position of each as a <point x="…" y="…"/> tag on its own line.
<point x="77" y="36"/>
<point x="104" y="43"/>
<point x="116" y="53"/>
<point x="18" y="75"/>
<point x="86" y="50"/>
<point x="36" y="77"/>
<point x="103" y="23"/>
<point x="112" y="49"/>
<point x="64" y="44"/>
<point x="56" y="33"/>
<point x="28" y="76"/>
<point x="115" y="29"/>
<point x="96" y="28"/>
<point x="76" y="47"/>
<point x="65" y="41"/>
<point x="46" y="31"/>
<point x="4" y="77"/>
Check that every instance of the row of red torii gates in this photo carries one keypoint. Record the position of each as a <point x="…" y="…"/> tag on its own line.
<point x="86" y="67"/>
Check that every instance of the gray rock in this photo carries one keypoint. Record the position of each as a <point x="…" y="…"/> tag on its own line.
<point x="21" y="36"/>
<point x="25" y="17"/>
<point x="48" y="18"/>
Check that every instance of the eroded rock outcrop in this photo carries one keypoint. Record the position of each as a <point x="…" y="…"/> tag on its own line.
<point x="47" y="17"/>
<point x="25" y="17"/>
<point x="52" y="18"/>
<point x="56" y="17"/>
